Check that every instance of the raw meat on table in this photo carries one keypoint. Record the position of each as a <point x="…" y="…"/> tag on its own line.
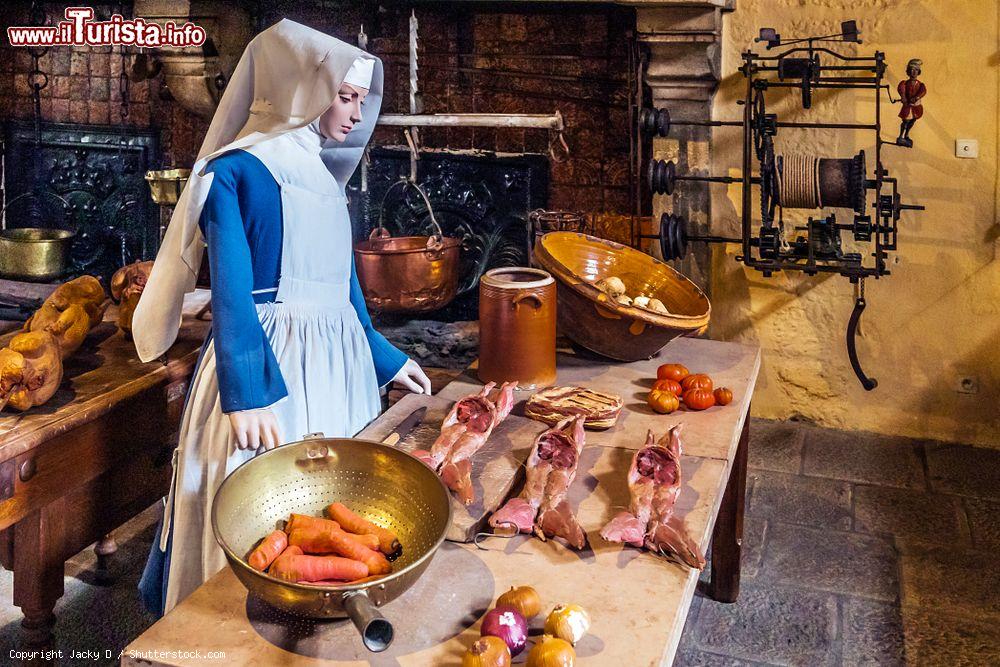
<point x="551" y="467"/>
<point x="463" y="433"/>
<point x="654" y="482"/>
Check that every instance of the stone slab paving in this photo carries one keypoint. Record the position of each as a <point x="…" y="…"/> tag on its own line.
<point x="810" y="501"/>
<point x="858" y="550"/>
<point x="936" y="636"/>
<point x="964" y="471"/>
<point x="983" y="523"/>
<point x="863" y="550"/>
<point x="865" y="458"/>
<point x="872" y="633"/>
<point x="929" y="516"/>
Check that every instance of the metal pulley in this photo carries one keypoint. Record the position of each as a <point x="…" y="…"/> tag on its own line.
<point x="655" y="121"/>
<point x="674" y="237"/>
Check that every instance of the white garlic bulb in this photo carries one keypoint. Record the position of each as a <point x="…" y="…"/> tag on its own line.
<point x="612" y="286"/>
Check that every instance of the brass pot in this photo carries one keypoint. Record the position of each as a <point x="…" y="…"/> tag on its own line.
<point x="165" y="185"/>
<point x="381" y="483"/>
<point x="34" y="253"/>
<point x="517" y="327"/>
<point x="409" y="273"/>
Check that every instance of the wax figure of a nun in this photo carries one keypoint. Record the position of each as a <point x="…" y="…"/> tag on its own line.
<point x="292" y="349"/>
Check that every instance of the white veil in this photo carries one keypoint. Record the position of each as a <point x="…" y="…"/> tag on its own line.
<point x="287" y="76"/>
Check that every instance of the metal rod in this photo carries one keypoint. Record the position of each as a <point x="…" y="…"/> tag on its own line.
<point x="716" y="179"/>
<point x="815" y="126"/>
<point x="747" y="147"/>
<point x="526" y="120"/>
<point x="838" y="86"/>
<point x="706" y="239"/>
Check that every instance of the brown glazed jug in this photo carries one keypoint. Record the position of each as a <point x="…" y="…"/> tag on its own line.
<point x="517" y="327"/>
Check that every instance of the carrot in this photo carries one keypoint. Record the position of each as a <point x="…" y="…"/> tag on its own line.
<point x="290" y="550"/>
<point x="368" y="541"/>
<point x="297" y="521"/>
<point x="301" y="568"/>
<point x="337" y="541"/>
<point x="388" y="543"/>
<point x="268" y="549"/>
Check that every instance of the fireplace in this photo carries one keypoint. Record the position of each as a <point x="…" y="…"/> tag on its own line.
<point x="89" y="182"/>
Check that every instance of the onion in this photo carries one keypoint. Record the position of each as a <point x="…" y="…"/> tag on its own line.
<point x="551" y="652"/>
<point x="508" y="624"/>
<point x="488" y="651"/>
<point x="569" y="622"/>
<point x="523" y="598"/>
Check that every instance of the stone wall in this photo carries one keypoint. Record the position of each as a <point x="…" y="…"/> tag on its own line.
<point x="933" y="321"/>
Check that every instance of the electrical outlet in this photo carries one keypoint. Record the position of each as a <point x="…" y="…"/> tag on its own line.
<point x="966" y="148"/>
<point x="968" y="385"/>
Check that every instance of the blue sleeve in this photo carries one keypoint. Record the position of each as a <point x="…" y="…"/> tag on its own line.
<point x="248" y="372"/>
<point x="387" y="357"/>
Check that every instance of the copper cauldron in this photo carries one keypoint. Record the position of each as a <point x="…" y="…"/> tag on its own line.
<point x="517" y="327"/>
<point x="407" y="273"/>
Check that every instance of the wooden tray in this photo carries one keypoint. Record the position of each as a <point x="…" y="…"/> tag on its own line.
<point x="496" y="468"/>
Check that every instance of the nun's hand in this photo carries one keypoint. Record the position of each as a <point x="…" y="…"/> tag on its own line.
<point x="256" y="428"/>
<point x="413" y="378"/>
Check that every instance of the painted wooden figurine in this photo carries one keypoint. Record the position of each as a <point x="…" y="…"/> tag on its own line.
<point x="911" y="91"/>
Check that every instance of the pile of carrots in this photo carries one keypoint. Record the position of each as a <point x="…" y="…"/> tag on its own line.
<point x="343" y="548"/>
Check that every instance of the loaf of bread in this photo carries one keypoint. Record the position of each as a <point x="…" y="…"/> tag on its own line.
<point x="600" y="409"/>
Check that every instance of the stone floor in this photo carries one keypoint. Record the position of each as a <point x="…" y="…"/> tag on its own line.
<point x="859" y="549"/>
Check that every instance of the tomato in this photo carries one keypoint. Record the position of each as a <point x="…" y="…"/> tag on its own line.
<point x="672" y="386"/>
<point x="697" y="381"/>
<point x="699" y="399"/>
<point x="663" y="402"/>
<point x="675" y="372"/>
<point x="723" y="396"/>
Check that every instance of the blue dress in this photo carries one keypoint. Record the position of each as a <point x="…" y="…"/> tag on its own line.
<point x="241" y="222"/>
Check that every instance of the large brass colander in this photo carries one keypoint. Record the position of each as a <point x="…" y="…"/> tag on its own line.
<point x="383" y="484"/>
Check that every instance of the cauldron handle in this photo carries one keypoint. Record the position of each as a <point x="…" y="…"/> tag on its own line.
<point x="435" y="241"/>
<point x="376" y="631"/>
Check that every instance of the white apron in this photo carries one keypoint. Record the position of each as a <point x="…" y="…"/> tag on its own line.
<point x="320" y="346"/>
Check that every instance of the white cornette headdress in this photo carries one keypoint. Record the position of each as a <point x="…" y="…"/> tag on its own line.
<point x="288" y="76"/>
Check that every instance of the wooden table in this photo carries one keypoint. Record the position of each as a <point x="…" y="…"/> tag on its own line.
<point x="92" y="457"/>
<point x="638" y="602"/>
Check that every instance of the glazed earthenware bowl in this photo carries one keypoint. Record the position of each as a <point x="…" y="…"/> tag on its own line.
<point x="591" y="319"/>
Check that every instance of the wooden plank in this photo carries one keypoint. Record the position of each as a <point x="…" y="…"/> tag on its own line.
<point x="496" y="468"/>
<point x="708" y="433"/>
<point x="638" y="602"/>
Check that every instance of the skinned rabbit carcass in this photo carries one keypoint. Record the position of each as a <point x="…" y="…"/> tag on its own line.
<point x="542" y="506"/>
<point x="30" y="370"/>
<point x="70" y="312"/>
<point x="463" y="433"/>
<point x="654" y="482"/>
<point x="126" y="287"/>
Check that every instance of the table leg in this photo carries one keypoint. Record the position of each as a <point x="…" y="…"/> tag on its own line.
<point x="38" y="574"/>
<point x="104" y="550"/>
<point x="727" y="538"/>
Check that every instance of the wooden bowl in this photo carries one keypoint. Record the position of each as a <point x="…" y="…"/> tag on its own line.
<point x="588" y="317"/>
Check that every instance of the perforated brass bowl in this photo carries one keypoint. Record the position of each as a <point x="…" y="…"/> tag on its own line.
<point x="587" y="316"/>
<point x="381" y="483"/>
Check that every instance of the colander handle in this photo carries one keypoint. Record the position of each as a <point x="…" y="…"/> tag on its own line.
<point x="376" y="631"/>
